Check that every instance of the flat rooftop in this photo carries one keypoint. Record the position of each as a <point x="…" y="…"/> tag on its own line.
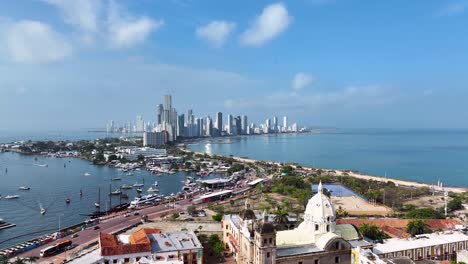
<point x="426" y="240"/>
<point x="174" y="241"/>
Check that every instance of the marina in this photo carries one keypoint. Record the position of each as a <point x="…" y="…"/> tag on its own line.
<point x="44" y="206"/>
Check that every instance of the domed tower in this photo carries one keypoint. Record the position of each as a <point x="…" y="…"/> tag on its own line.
<point x="265" y="242"/>
<point x="319" y="216"/>
<point x="247" y="219"/>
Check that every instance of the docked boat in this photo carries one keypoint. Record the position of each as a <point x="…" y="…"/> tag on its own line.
<point x="139" y="190"/>
<point x="5" y="225"/>
<point x="130" y="174"/>
<point x="116" y="192"/>
<point x="11" y="196"/>
<point x="116" y="179"/>
<point x="145" y="199"/>
<point x="43" y="210"/>
<point x="126" y="186"/>
<point x="87" y="174"/>
<point x="138" y="185"/>
<point x="97" y="205"/>
<point x="155" y="183"/>
<point x="24" y="188"/>
<point x="152" y="190"/>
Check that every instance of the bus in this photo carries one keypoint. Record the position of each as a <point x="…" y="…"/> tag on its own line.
<point x="57" y="248"/>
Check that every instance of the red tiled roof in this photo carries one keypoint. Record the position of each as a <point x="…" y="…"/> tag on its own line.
<point x="397" y="227"/>
<point x="139" y="242"/>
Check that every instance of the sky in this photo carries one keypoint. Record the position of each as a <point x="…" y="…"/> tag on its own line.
<point x="75" y="64"/>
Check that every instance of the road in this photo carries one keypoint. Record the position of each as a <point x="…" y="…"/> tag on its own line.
<point x="111" y="225"/>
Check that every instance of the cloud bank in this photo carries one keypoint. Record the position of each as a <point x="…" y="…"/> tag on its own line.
<point x="216" y="32"/>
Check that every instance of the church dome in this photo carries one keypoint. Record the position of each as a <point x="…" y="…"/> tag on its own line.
<point x="247" y="214"/>
<point x="319" y="208"/>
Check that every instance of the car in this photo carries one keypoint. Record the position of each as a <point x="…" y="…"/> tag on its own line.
<point x="136" y="213"/>
<point x="96" y="227"/>
<point x="75" y="235"/>
<point x="126" y="215"/>
<point x="189" y="219"/>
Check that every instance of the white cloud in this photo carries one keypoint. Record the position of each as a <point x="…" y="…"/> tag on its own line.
<point x="452" y="9"/>
<point x="302" y="80"/>
<point x="273" y="20"/>
<point x="126" y="31"/>
<point x="29" y="41"/>
<point x="106" y="20"/>
<point x="216" y="32"/>
<point x="348" y="97"/>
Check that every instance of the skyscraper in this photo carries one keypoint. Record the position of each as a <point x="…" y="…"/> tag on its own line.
<point x="219" y="122"/>
<point x="238" y="125"/>
<point x="244" y="124"/>
<point x="285" y="123"/>
<point x="267" y="126"/>
<point x="275" y="124"/>
<point x="229" y="124"/>
<point x="139" y="124"/>
<point x="159" y="114"/>
<point x="181" y="125"/>
<point x="209" y="127"/>
<point x="168" y="102"/>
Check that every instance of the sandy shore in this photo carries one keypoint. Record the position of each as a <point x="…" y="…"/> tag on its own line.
<point x="353" y="174"/>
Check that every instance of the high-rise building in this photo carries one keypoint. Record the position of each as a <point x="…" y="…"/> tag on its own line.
<point x="238" y="125"/>
<point x="181" y="125"/>
<point x="190" y="118"/>
<point x="229" y="125"/>
<point x="275" y="124"/>
<point x="168" y="102"/>
<point x="267" y="126"/>
<point x="200" y="127"/>
<point x="285" y="123"/>
<point x="154" y="139"/>
<point x="244" y="124"/>
<point x="209" y="127"/>
<point x="219" y="122"/>
<point x="139" y="124"/>
<point x="159" y="114"/>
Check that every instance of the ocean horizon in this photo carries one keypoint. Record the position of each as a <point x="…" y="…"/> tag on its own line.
<point x="420" y="155"/>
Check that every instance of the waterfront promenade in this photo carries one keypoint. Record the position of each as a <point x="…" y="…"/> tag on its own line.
<point x="112" y="225"/>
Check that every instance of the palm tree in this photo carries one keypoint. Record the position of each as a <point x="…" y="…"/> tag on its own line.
<point x="281" y="216"/>
<point x="3" y="259"/>
<point x="32" y="259"/>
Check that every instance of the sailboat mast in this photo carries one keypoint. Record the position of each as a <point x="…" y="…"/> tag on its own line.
<point x="99" y="200"/>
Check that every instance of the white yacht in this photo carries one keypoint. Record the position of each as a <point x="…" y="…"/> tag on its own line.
<point x="145" y="199"/>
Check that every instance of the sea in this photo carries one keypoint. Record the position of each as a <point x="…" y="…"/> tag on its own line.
<point x="64" y="178"/>
<point x="422" y="155"/>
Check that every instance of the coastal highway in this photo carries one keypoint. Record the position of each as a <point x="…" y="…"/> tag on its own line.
<point x="106" y="226"/>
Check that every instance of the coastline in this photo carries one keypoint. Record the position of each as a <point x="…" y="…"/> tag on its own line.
<point x="406" y="183"/>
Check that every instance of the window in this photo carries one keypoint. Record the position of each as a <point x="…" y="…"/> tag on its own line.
<point x="126" y="260"/>
<point x="316" y="261"/>
<point x="271" y="240"/>
<point x="337" y="245"/>
<point x="264" y="241"/>
<point x="328" y="228"/>
<point x="300" y="262"/>
<point x="316" y="227"/>
<point x="337" y="259"/>
<point x="268" y="254"/>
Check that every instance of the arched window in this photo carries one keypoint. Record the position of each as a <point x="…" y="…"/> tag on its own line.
<point x="328" y="228"/>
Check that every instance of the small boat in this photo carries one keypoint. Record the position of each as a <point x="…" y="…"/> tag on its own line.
<point x="43" y="211"/>
<point x="138" y="185"/>
<point x="152" y="190"/>
<point x="43" y="165"/>
<point x="12" y="196"/>
<point x="155" y="183"/>
<point x="87" y="174"/>
<point x="139" y="190"/>
<point x="67" y="200"/>
<point x="116" y="179"/>
<point x="126" y="186"/>
<point x="116" y="192"/>
<point x="24" y="188"/>
<point x="96" y="204"/>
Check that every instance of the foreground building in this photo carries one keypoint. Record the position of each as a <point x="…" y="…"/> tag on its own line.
<point x="317" y="240"/>
<point x="148" y="246"/>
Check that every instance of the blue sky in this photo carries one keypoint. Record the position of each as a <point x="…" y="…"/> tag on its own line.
<point x="68" y="64"/>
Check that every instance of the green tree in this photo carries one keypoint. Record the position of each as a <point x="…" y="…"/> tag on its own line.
<point x="281" y="217"/>
<point x="288" y="170"/>
<point x="217" y="217"/>
<point x="424" y="213"/>
<point x="417" y="227"/>
<point x="191" y="209"/>
<point x="455" y="204"/>
<point x="175" y="216"/>
<point x="373" y="232"/>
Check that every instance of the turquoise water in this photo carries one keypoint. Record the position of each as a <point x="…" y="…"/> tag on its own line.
<point x="51" y="185"/>
<point x="418" y="155"/>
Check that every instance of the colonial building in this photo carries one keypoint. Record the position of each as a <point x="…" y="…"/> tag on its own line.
<point x="317" y="240"/>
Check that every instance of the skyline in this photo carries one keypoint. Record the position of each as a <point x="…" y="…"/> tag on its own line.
<point x="71" y="65"/>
